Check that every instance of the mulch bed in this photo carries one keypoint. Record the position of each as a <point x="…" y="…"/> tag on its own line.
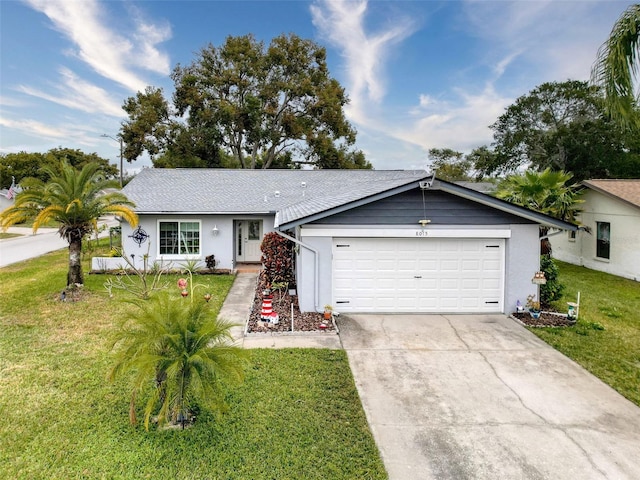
<point x="282" y="301"/>
<point x="546" y="319"/>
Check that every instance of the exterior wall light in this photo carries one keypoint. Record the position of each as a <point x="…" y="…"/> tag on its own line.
<point x="215" y="231"/>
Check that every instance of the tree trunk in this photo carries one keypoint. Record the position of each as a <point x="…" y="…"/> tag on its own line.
<point x="75" y="261"/>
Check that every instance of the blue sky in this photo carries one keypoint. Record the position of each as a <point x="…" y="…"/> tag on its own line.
<point x="419" y="74"/>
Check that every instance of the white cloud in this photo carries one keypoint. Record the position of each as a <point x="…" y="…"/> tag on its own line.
<point x="558" y="40"/>
<point x="78" y="94"/>
<point x="342" y="23"/>
<point x="462" y="124"/>
<point x="108" y="53"/>
<point x="39" y="129"/>
<point x="516" y="46"/>
<point x="147" y="36"/>
<point x="10" y="102"/>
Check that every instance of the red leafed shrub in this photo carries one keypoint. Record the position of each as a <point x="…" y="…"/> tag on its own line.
<point x="277" y="258"/>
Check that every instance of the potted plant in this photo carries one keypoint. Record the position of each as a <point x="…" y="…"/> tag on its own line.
<point x="328" y="311"/>
<point x="534" y="306"/>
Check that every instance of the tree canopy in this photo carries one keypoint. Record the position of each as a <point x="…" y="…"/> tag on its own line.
<point x="561" y="126"/>
<point x="249" y="106"/>
<point x="38" y="165"/>
<point x="451" y="165"/>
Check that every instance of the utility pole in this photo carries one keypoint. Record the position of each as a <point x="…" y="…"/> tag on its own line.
<point x="119" y="139"/>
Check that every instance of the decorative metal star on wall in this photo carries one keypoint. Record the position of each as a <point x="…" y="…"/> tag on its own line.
<point x="139" y="236"/>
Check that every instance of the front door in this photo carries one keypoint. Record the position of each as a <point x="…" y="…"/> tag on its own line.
<point x="248" y="239"/>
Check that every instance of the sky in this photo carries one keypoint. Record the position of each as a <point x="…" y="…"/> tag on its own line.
<point x="419" y="74"/>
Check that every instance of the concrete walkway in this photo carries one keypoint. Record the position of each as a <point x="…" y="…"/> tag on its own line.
<point x="237" y="308"/>
<point x="480" y="397"/>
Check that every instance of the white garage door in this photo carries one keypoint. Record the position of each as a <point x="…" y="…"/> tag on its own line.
<point x="418" y="275"/>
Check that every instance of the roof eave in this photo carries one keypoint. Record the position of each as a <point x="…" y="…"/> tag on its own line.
<point x="349" y="205"/>
<point x="454" y="189"/>
<point x="193" y="212"/>
<point x="606" y="193"/>
<point x="504" y="206"/>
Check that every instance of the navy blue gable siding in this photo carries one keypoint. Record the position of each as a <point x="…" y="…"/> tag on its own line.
<point x="407" y="208"/>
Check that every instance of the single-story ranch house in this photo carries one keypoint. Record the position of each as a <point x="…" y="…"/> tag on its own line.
<point x="609" y="237"/>
<point x="366" y="240"/>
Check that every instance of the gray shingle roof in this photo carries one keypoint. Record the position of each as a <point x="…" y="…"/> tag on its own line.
<point x="259" y="191"/>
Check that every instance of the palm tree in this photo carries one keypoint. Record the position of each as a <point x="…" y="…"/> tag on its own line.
<point x="616" y="68"/>
<point x="546" y="192"/>
<point x="180" y="349"/>
<point x="73" y="199"/>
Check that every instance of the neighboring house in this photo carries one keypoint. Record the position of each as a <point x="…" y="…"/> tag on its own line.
<point x="367" y="240"/>
<point x="611" y="216"/>
<point x="8" y="195"/>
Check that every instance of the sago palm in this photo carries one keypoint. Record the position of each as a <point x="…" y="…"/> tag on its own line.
<point x="181" y="354"/>
<point x="74" y="199"/>
<point x="616" y="68"/>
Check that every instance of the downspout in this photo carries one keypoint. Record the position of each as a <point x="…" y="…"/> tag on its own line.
<point x="316" y="291"/>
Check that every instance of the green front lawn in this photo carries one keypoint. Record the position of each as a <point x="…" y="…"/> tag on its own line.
<point x="297" y="415"/>
<point x="4" y="235"/>
<point x="606" y="338"/>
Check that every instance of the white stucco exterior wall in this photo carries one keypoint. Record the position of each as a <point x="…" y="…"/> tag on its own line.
<point x="221" y="245"/>
<point x="307" y="276"/>
<point x="522" y="261"/>
<point x="624" y="219"/>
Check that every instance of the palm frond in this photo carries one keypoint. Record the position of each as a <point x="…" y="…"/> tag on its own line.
<point x="188" y="345"/>
<point x="616" y="68"/>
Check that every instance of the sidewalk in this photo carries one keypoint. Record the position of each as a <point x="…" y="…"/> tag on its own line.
<point x="237" y="307"/>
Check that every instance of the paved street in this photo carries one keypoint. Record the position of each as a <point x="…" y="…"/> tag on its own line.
<point x="17" y="249"/>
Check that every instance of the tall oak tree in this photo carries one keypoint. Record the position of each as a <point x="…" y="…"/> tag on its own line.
<point x="249" y="106"/>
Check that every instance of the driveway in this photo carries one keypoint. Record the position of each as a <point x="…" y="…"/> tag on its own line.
<point x="480" y="397"/>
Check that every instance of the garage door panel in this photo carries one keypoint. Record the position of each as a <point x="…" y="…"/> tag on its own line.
<point x="450" y="265"/>
<point x="427" y="264"/>
<point x="419" y="275"/>
<point x="491" y="286"/>
<point x="470" y="265"/>
<point x="449" y="284"/>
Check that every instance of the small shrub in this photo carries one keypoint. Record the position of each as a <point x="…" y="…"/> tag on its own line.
<point x="553" y="289"/>
<point x="211" y="262"/>
<point x="277" y="258"/>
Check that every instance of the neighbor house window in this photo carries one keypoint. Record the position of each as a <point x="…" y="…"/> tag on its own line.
<point x="179" y="238"/>
<point x="603" y="239"/>
<point x="572" y="235"/>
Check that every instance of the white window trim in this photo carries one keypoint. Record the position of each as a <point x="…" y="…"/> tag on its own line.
<point x="197" y="256"/>
<point x="596" y="257"/>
